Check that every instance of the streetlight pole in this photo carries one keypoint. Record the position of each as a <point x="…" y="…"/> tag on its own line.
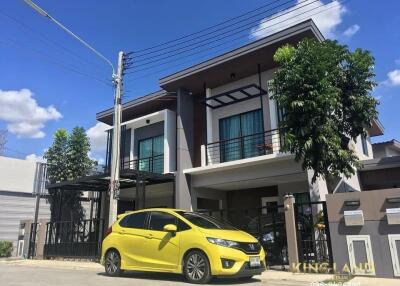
<point x="117" y="83"/>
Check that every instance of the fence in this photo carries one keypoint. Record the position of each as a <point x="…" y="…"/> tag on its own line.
<point x="74" y="239"/>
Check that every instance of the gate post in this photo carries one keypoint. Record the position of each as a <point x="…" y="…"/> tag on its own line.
<point x="291" y="231"/>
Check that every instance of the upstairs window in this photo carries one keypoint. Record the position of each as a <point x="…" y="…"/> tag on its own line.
<point x="241" y="136"/>
<point x="151" y="154"/>
<point x="364" y="145"/>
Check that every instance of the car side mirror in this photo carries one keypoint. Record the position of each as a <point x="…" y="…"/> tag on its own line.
<point x="170" y="228"/>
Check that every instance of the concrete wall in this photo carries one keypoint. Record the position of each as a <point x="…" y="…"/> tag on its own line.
<point x="374" y="205"/>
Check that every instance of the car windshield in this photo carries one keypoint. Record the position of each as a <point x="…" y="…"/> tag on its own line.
<point x="205" y="221"/>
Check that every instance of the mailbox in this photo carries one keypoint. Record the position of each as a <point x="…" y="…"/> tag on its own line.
<point x="393" y="215"/>
<point x="353" y="218"/>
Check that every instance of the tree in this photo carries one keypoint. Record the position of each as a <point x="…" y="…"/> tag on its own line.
<point x="67" y="159"/>
<point x="324" y="91"/>
<point x="3" y="141"/>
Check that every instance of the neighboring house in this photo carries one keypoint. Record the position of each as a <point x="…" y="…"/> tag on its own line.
<point x="213" y="130"/>
<point x="20" y="180"/>
<point x="383" y="170"/>
<point x="386" y="149"/>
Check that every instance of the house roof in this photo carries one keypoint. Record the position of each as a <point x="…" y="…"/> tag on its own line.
<point x="391" y="143"/>
<point x="242" y="61"/>
<point x="139" y="106"/>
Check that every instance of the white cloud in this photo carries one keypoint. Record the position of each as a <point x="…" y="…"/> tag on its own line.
<point x="98" y="137"/>
<point x="393" y="78"/>
<point x="326" y="21"/>
<point x="351" y="31"/>
<point x="24" y="117"/>
<point x="35" y="158"/>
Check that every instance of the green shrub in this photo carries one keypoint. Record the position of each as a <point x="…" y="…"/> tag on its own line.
<point x="6" y="248"/>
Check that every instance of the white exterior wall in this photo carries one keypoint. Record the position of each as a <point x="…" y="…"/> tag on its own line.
<point x="17" y="175"/>
<point x="17" y="202"/>
<point x="169" y="118"/>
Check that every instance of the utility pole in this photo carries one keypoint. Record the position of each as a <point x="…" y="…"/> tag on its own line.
<point x="115" y="153"/>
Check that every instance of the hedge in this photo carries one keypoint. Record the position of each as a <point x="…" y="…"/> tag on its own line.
<point x="6" y="248"/>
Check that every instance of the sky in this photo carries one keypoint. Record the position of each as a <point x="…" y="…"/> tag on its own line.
<point x="50" y="81"/>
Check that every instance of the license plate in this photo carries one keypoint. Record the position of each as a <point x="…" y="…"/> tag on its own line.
<point x="255" y="261"/>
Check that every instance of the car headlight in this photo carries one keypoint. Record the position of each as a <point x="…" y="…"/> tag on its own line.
<point x="222" y="242"/>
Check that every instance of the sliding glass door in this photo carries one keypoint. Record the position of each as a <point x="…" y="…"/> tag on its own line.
<point x="150" y="157"/>
<point x="241" y="136"/>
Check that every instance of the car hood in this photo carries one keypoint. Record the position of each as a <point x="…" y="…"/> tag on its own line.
<point x="235" y="235"/>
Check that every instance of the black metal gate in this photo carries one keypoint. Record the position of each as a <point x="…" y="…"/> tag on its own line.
<point x="32" y="240"/>
<point x="74" y="239"/>
<point x="267" y="224"/>
<point x="313" y="236"/>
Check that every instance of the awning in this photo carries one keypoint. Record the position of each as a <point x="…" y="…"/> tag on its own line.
<point x="234" y="96"/>
<point x="100" y="182"/>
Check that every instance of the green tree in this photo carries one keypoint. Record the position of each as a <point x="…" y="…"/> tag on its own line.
<point x="79" y="163"/>
<point x="68" y="159"/>
<point x="324" y="90"/>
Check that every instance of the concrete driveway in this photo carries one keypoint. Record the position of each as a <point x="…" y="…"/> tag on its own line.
<point x="60" y="273"/>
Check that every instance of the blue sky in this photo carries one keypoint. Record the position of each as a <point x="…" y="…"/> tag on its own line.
<point x="41" y="90"/>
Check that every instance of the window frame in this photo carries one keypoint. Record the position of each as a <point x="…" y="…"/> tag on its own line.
<point x="151" y="166"/>
<point x="177" y="220"/>
<point x="145" y="224"/>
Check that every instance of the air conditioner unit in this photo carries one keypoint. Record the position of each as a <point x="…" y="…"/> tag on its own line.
<point x="353" y="218"/>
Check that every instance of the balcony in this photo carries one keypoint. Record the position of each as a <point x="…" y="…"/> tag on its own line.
<point x="154" y="164"/>
<point x="264" y="143"/>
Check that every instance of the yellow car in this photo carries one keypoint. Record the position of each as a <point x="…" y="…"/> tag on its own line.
<point x="178" y="241"/>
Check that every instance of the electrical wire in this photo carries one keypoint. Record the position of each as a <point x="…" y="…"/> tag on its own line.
<point x="52" y="61"/>
<point x="203" y="30"/>
<point x="224" y="49"/>
<point x="240" y="37"/>
<point x="44" y="38"/>
<point x="138" y="56"/>
<point x="242" y="29"/>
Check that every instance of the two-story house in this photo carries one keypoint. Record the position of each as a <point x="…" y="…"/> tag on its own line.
<point x="211" y="136"/>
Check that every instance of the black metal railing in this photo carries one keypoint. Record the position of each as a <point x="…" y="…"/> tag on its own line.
<point x="32" y="240"/>
<point x="248" y="146"/>
<point x="74" y="239"/>
<point x="267" y="224"/>
<point x="154" y="164"/>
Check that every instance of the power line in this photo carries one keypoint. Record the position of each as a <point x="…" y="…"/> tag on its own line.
<point x="138" y="55"/>
<point x="227" y="34"/>
<point x="52" y="61"/>
<point x="203" y="30"/>
<point x="48" y="40"/>
<point x="237" y="38"/>
<point x="278" y="29"/>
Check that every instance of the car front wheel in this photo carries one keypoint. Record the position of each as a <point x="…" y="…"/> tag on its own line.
<point x="197" y="267"/>
<point x="112" y="263"/>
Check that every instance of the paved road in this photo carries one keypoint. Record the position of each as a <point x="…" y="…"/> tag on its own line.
<point x="28" y="275"/>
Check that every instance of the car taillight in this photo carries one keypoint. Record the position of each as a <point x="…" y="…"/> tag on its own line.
<point x="108" y="231"/>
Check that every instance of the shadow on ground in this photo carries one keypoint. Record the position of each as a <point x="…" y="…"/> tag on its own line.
<point x="179" y="278"/>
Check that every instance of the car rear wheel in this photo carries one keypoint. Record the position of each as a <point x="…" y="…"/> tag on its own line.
<point x="197" y="267"/>
<point x="112" y="263"/>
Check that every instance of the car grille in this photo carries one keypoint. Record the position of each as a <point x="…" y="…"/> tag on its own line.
<point x="249" y="248"/>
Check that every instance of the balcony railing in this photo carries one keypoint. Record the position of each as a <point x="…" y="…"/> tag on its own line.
<point x="268" y="142"/>
<point x="154" y="164"/>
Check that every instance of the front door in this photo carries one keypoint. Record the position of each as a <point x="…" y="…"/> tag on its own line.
<point x="163" y="248"/>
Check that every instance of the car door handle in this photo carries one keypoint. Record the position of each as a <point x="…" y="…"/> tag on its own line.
<point x="149" y="236"/>
<point x="122" y="231"/>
